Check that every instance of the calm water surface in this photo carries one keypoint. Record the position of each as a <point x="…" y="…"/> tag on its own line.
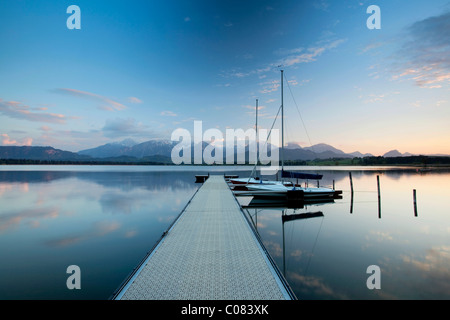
<point x="106" y="218"/>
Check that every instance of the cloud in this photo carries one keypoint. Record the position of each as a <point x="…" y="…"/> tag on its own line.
<point x="270" y="86"/>
<point x="168" y="113"/>
<point x="7" y="141"/>
<point x="291" y="57"/>
<point x="134" y="100"/>
<point x="372" y="46"/>
<point x="70" y="140"/>
<point x="254" y="107"/>
<point x="285" y="52"/>
<point x="18" y="110"/>
<point x="299" y="55"/>
<point x="113" y="129"/>
<point x="378" y="97"/>
<point x="441" y="102"/>
<point x="45" y="128"/>
<point x="105" y="103"/>
<point x="321" y="5"/>
<point x="120" y="128"/>
<point x="425" y="53"/>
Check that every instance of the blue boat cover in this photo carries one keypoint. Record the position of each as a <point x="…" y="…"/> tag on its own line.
<point x="300" y="175"/>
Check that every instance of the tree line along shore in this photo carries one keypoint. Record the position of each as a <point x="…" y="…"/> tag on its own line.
<point x="419" y="161"/>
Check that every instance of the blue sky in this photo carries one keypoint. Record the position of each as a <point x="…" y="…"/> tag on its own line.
<point x="141" y="69"/>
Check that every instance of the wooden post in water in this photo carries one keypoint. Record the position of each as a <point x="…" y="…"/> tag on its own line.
<point x="351" y="182"/>
<point x="351" y="203"/>
<point x="379" y="198"/>
<point x="351" y="190"/>
<point x="415" y="202"/>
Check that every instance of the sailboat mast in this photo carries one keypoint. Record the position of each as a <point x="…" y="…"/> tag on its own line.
<point x="282" y="125"/>
<point x="256" y="134"/>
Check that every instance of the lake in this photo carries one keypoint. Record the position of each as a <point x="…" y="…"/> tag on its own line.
<point x="105" y="219"/>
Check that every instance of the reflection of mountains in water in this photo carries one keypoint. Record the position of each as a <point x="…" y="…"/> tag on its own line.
<point x="152" y="180"/>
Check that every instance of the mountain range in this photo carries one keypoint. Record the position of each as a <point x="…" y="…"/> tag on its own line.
<point x="160" y="151"/>
<point x="164" y="148"/>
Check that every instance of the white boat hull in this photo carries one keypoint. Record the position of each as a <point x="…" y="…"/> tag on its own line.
<point x="252" y="181"/>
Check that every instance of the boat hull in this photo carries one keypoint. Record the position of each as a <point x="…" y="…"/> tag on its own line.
<point x="280" y="191"/>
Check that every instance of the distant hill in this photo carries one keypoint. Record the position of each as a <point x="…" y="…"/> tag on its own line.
<point x="114" y="149"/>
<point x="358" y="154"/>
<point x="39" y="153"/>
<point x="128" y="148"/>
<point x="322" y="147"/>
<point x="392" y="153"/>
<point x="396" y="153"/>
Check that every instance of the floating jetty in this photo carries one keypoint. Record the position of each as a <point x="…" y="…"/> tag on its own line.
<point x="211" y="252"/>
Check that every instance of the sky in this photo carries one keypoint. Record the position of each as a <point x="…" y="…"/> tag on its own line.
<point x="141" y="69"/>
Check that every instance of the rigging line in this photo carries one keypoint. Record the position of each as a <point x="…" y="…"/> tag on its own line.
<point x="301" y="118"/>
<point x="314" y="246"/>
<point x="290" y="241"/>
<point x="303" y="223"/>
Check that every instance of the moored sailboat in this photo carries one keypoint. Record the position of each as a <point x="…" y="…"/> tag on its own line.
<point x="282" y="189"/>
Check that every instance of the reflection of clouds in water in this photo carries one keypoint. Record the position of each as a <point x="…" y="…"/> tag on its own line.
<point x="126" y="202"/>
<point x="381" y="236"/>
<point x="9" y="190"/>
<point x="130" y="233"/>
<point x="98" y="229"/>
<point x="377" y="238"/>
<point x="116" y="202"/>
<point x="13" y="219"/>
<point x="297" y="254"/>
<point x="274" y="248"/>
<point x="425" y="276"/>
<point x="166" y="219"/>
<point x="432" y="267"/>
<point x="308" y="284"/>
<point x="6" y="187"/>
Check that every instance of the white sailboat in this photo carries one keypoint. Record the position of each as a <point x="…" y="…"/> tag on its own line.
<point x="282" y="189"/>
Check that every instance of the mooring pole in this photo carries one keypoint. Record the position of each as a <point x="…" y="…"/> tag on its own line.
<point x="351" y="203"/>
<point x="351" y="182"/>
<point x="379" y="198"/>
<point x="351" y="190"/>
<point x="415" y="202"/>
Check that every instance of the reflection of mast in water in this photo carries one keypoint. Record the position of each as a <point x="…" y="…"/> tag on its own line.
<point x="283" y="206"/>
<point x="290" y="217"/>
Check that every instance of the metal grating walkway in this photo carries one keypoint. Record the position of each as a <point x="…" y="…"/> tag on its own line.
<point x="210" y="253"/>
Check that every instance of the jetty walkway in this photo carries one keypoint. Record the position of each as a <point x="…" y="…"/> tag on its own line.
<point x="211" y="252"/>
